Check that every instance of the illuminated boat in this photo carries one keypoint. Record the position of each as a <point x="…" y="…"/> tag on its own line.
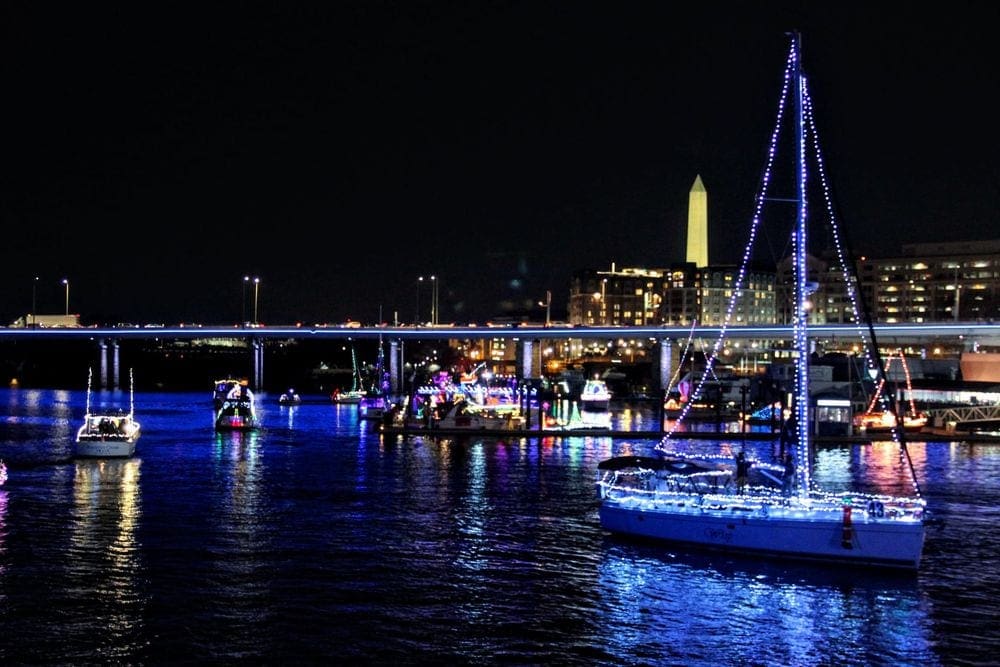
<point x="222" y="388"/>
<point x="108" y="433"/>
<point x="595" y="395"/>
<point x="885" y="420"/>
<point x="238" y="411"/>
<point x="699" y="501"/>
<point x="376" y="402"/>
<point x="290" y="397"/>
<point x="882" y="420"/>
<point x="694" y="501"/>
<point x="462" y="415"/>
<point x="347" y="397"/>
<point x="3" y="473"/>
<point x="355" y="394"/>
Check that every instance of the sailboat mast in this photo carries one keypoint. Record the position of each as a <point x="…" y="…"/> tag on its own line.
<point x="90" y="375"/>
<point x="802" y="306"/>
<point x="131" y="393"/>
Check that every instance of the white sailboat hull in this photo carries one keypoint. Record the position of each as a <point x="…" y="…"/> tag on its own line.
<point x="791" y="533"/>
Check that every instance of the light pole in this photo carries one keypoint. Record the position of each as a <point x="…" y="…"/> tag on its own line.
<point x="34" y="293"/>
<point x="958" y="291"/>
<point x="243" y="306"/>
<point x="434" y="300"/>
<point x="420" y="282"/>
<point x="256" y="290"/>
<point x="548" y="307"/>
<point x="65" y="281"/>
<point x="604" y="301"/>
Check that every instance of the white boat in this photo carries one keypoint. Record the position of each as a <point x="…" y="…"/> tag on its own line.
<point x="108" y="433"/>
<point x="3" y="473"/>
<point x="238" y="411"/>
<point x="699" y="501"/>
<point x="347" y="397"/>
<point x="595" y="395"/>
<point x="376" y="403"/>
<point x="353" y="395"/>
<point x="463" y="415"/>
<point x="290" y="397"/>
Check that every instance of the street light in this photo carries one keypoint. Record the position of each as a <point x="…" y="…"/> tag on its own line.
<point x="420" y="282"/>
<point x="256" y="290"/>
<point x="434" y="300"/>
<point x="548" y="307"/>
<point x="34" y="292"/>
<point x="65" y="281"/>
<point x="243" y="306"/>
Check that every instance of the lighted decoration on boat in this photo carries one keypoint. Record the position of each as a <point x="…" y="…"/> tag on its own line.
<point x="697" y="500"/>
<point x="874" y="419"/>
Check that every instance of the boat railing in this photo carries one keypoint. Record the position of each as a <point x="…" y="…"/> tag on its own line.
<point x="715" y="490"/>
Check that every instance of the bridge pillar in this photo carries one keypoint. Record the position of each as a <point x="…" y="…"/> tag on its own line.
<point x="524" y="359"/>
<point x="395" y="367"/>
<point x="256" y="363"/>
<point x="115" y="370"/>
<point x="102" y="356"/>
<point x="665" y="362"/>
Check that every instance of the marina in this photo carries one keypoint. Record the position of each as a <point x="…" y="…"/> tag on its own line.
<point x="281" y="543"/>
<point x="548" y="341"/>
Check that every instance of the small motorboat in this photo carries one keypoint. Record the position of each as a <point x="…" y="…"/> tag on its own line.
<point x="107" y="433"/>
<point x="289" y="397"/>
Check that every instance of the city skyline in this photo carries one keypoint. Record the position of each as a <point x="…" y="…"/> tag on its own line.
<point x="340" y="153"/>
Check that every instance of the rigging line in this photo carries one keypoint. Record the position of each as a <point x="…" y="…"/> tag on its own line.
<point x="859" y="303"/>
<point x="680" y="363"/>
<point x="791" y="64"/>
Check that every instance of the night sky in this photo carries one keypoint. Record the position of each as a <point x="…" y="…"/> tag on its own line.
<point x="155" y="153"/>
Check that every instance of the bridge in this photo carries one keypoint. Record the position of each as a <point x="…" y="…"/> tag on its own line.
<point x="983" y="334"/>
<point x="971" y="415"/>
<point x="964" y="335"/>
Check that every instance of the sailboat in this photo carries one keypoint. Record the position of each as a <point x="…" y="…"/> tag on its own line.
<point x="874" y="419"/>
<point x="355" y="393"/>
<point x="758" y="507"/>
<point x="376" y="401"/>
<point x="108" y="433"/>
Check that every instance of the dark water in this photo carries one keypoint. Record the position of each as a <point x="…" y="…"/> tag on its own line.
<point x="316" y="541"/>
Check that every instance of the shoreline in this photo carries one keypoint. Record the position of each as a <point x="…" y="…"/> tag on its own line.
<point x="926" y="435"/>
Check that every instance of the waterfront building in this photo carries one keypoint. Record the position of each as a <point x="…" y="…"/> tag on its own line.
<point x="672" y="296"/>
<point x="935" y="282"/>
<point x="925" y="282"/>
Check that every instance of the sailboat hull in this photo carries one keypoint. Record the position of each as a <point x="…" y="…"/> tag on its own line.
<point x="794" y="533"/>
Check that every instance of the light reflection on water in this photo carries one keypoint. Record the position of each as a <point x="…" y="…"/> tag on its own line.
<point x="317" y="538"/>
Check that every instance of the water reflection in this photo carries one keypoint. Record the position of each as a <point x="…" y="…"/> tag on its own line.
<point x="672" y="607"/>
<point x="104" y="553"/>
<point x="3" y="531"/>
<point x="289" y="411"/>
<point x="238" y="455"/>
